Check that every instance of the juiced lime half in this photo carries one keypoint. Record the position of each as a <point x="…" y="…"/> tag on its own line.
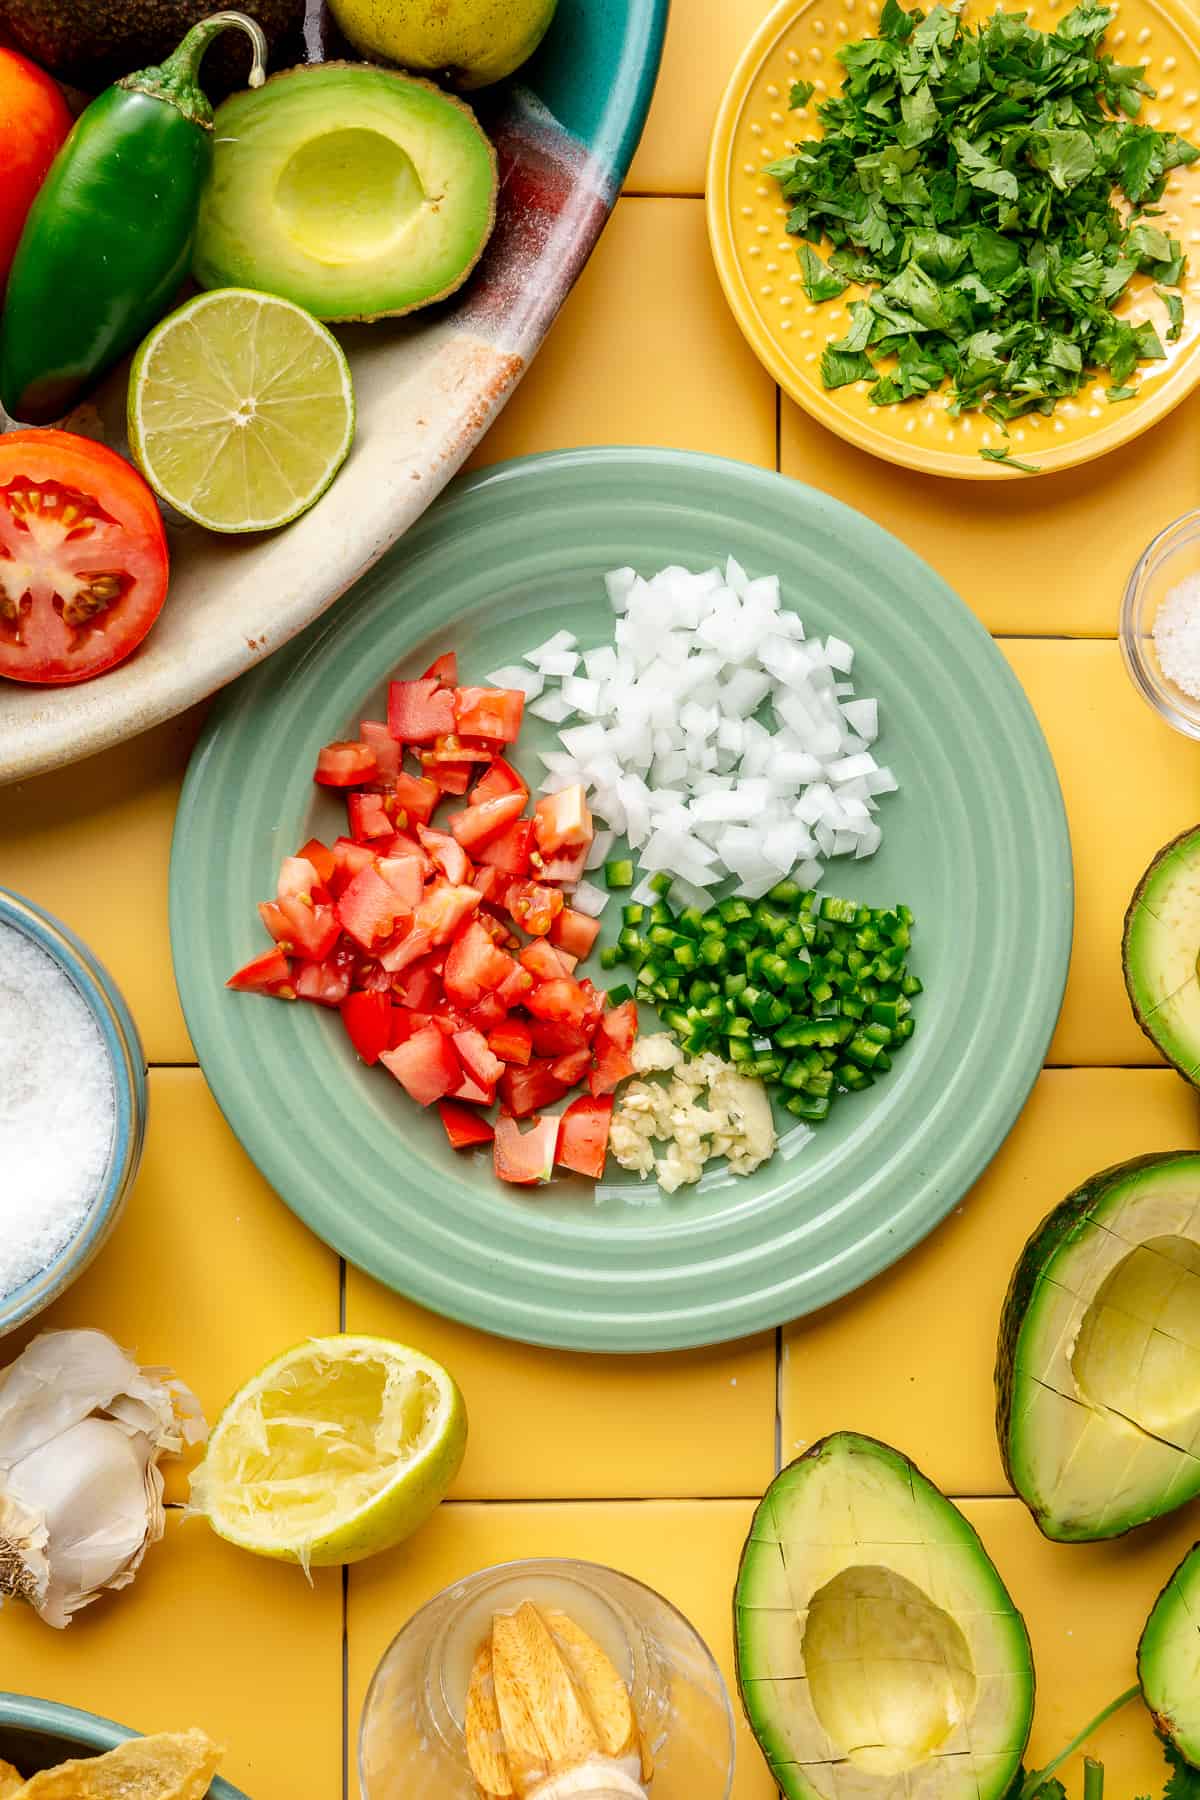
<point x="339" y="1448"/>
<point x="241" y="410"/>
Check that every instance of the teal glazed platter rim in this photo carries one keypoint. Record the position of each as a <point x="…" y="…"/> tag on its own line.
<point x="975" y="841"/>
<point x="32" y="1728"/>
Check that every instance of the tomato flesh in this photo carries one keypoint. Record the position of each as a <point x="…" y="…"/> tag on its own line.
<point x="465" y="1129"/>
<point x="368" y="1022"/>
<point x="525" y="1157"/>
<point x="83" y="558"/>
<point x="345" y="765"/>
<point x="583" y="1135"/>
<point x="34" y="121"/>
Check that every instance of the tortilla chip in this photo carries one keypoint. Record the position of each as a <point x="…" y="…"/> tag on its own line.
<point x="11" y="1782"/>
<point x="174" y="1765"/>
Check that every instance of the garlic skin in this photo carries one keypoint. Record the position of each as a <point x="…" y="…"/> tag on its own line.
<point x="82" y="1432"/>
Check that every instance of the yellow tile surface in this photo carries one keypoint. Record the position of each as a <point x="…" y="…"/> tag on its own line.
<point x="644" y="351"/>
<point x="688" y="1551"/>
<point x="704" y="40"/>
<point x="1047" y="557"/>
<point x="545" y="1424"/>
<point x="1130" y="785"/>
<point x="910" y="1358"/>
<point x="91" y="843"/>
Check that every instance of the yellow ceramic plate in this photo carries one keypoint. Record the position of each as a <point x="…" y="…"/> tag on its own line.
<point x="757" y="264"/>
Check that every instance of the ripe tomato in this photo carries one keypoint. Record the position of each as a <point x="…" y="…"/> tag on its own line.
<point x="34" y="120"/>
<point x="83" y="557"/>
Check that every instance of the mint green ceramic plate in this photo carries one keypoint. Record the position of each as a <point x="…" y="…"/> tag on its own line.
<point x="975" y="841"/>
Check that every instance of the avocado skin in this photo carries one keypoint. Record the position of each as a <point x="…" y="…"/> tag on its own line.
<point x="1163" y="1724"/>
<point x="91" y="43"/>
<point x="1190" y="836"/>
<point x="1067" y="1222"/>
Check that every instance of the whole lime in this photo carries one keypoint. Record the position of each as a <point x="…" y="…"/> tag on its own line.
<point x="470" y="43"/>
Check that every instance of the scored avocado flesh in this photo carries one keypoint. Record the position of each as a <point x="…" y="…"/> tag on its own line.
<point x="1169" y="1659"/>
<point x="879" y="1655"/>
<point x="1098" y="1371"/>
<point x="1162" y="941"/>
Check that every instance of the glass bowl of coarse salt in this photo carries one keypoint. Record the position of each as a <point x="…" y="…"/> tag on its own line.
<point x="72" y="1108"/>
<point x="1160" y="624"/>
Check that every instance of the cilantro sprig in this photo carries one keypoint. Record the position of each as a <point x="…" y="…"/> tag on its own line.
<point x="991" y="190"/>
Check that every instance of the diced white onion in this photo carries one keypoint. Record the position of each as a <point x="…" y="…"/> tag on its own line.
<point x="529" y="681"/>
<point x="589" y="899"/>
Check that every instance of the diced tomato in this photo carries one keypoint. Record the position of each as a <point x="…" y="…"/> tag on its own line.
<point x="314" y="930"/>
<point x="402" y="843"/>
<point x="515" y="986"/>
<point x="368" y="817"/>
<point x="426" y="1065"/>
<point x="489" y="712"/>
<point x="473" y="1094"/>
<point x="543" y="960"/>
<point x="420" y="711"/>
<point x="269" y="973"/>
<point x="448" y="777"/>
<point x="613" y="1042"/>
<point x="368" y="1022"/>
<point x="444" y="908"/>
<point x="405" y="875"/>
<point x="562" y="821"/>
<point x="583" y="1135"/>
<point x="487" y="1014"/>
<point x="406" y="1022"/>
<point x="368" y="976"/>
<point x="569" y="866"/>
<point x="512" y="1042"/>
<point x="488" y="882"/>
<point x="370" y="908"/>
<point x="449" y="856"/>
<point x="620" y="1025"/>
<point x="345" y="765"/>
<point x="276" y="921"/>
<point x="500" y="779"/>
<point x="511" y="851"/>
<point x="406" y="950"/>
<point x="574" y="932"/>
<point x="455" y="749"/>
<point x="375" y="734"/>
<point x="563" y="1001"/>
<point x="477" y="1060"/>
<point x="533" y="906"/>
<point x="553" y="1040"/>
<point x="464" y="1129"/>
<point x="524" y="1090"/>
<point x="479" y="824"/>
<point x="321" y="858"/>
<point x="475" y="965"/>
<point x="417" y="797"/>
<point x="444" y="668"/>
<point x="328" y="983"/>
<point x="420" y="986"/>
<point x="297" y="876"/>
<point x="572" y="1067"/>
<point x="525" y="1157"/>
<point x="349" y="858"/>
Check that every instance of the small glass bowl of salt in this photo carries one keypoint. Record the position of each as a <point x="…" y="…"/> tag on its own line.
<point x="72" y="1108"/>
<point x="1160" y="624"/>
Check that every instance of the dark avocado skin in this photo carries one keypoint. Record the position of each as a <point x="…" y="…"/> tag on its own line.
<point x="90" y="43"/>
<point x="1070" y="1220"/>
<point x="1162" y="1724"/>
<point x="1191" y="838"/>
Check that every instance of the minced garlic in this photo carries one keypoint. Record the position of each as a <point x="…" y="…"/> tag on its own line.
<point x="706" y="1109"/>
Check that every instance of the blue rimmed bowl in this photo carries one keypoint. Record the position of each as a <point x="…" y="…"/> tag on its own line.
<point x="37" y="1734"/>
<point x="128" y="1066"/>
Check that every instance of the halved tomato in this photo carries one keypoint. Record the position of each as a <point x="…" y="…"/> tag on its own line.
<point x="525" y="1157"/>
<point x="83" y="558"/>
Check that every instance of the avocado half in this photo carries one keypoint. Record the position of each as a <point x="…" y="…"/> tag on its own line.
<point x="1169" y="1659"/>
<point x="358" y="193"/>
<point x="1159" y="952"/>
<point x="879" y="1655"/>
<point x="1098" y="1366"/>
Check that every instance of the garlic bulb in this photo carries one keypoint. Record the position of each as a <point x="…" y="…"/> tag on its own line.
<point x="82" y="1431"/>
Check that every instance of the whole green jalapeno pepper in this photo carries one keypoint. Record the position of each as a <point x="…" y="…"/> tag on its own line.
<point x="108" y="238"/>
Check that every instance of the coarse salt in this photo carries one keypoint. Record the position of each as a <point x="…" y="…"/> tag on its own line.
<point x="57" y="1109"/>
<point x="1177" y="636"/>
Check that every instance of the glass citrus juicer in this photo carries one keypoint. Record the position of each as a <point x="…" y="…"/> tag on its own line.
<point x="547" y="1680"/>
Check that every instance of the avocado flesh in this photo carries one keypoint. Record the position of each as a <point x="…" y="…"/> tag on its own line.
<point x="879" y="1655"/>
<point x="1162" y="941"/>
<point x="355" y="192"/>
<point x="1169" y="1659"/>
<point x="1098" y="1370"/>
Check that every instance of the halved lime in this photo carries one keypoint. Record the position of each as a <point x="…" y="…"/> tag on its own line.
<point x="241" y="410"/>
<point x="341" y="1447"/>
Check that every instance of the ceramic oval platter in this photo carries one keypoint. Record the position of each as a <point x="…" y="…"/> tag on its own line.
<point x="975" y="841"/>
<point x="427" y="390"/>
<point x="756" y="259"/>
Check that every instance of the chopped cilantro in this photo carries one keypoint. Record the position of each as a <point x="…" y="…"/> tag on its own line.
<point x="969" y="178"/>
<point x="1183" y="1783"/>
<point x="802" y="92"/>
<point x="1006" y="457"/>
<point x="1114" y="394"/>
